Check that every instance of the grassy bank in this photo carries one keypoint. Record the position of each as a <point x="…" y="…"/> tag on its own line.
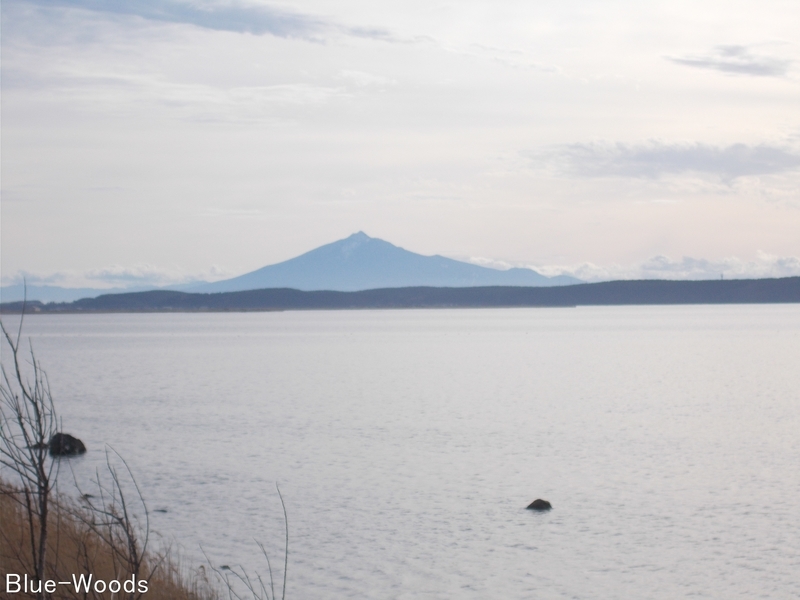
<point x="85" y="541"/>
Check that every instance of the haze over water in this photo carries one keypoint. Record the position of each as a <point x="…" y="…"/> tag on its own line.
<point x="408" y="443"/>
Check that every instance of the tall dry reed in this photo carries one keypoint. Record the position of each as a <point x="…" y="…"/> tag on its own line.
<point x="77" y="547"/>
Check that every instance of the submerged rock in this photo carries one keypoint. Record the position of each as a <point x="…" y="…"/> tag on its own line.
<point x="540" y="504"/>
<point x="63" y="444"/>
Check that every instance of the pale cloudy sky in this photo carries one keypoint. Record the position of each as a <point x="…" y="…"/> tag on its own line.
<point x="152" y="141"/>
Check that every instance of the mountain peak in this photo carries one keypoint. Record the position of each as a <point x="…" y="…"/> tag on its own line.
<point x="356" y="242"/>
<point x="359" y="236"/>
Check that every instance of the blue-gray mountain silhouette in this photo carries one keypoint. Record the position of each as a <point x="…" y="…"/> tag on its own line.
<point x="360" y="262"/>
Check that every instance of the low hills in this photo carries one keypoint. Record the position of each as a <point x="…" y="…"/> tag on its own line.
<point x="736" y="291"/>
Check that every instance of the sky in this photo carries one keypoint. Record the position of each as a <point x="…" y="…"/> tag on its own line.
<point x="161" y="141"/>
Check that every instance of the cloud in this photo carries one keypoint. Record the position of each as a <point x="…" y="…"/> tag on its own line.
<point x="655" y="159"/>
<point x="489" y="263"/>
<point x="737" y="60"/>
<point x="137" y="274"/>
<point x="125" y="93"/>
<point x="20" y="277"/>
<point x="237" y="17"/>
<point x="658" y="267"/>
<point x="363" y="80"/>
<point x="663" y="267"/>
<point x="119" y="276"/>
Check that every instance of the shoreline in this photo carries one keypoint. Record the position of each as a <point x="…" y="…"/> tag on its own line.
<point x="610" y="293"/>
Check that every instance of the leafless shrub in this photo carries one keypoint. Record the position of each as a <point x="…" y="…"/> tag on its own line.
<point x="256" y="587"/>
<point x="27" y="422"/>
<point x="108" y="515"/>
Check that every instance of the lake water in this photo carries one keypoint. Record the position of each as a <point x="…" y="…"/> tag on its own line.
<point x="408" y="443"/>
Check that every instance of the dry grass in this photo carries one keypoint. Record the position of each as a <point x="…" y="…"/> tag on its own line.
<point x="79" y="544"/>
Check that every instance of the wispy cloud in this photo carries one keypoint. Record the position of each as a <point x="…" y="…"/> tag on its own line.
<point x="239" y="17"/>
<point x="736" y="60"/>
<point x="234" y="213"/>
<point x="663" y="267"/>
<point x="658" y="267"/>
<point x="655" y="159"/>
<point x="363" y="80"/>
<point x="120" y="92"/>
<point x="134" y="275"/>
<point x="118" y="276"/>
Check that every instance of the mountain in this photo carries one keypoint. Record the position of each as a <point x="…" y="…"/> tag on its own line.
<point x="360" y="262"/>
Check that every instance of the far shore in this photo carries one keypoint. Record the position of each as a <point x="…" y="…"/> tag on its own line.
<point x="784" y="290"/>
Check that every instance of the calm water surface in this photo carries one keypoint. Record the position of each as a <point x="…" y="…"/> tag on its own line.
<point x="408" y="443"/>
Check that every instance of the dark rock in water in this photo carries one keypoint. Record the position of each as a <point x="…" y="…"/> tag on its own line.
<point x="63" y="444"/>
<point x="540" y="504"/>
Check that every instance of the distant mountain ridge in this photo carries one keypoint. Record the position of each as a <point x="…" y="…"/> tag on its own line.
<point x="609" y="293"/>
<point x="360" y="262"/>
